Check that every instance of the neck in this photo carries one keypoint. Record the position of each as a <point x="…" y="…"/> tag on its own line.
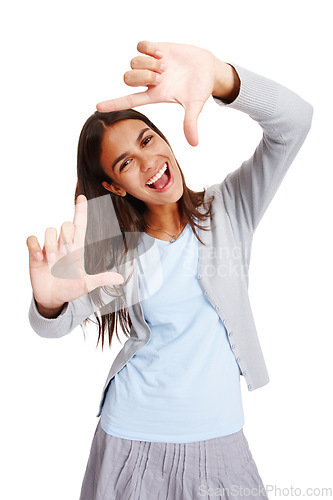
<point x="165" y="217"/>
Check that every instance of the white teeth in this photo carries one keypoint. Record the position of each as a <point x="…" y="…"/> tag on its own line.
<point x="158" y="175"/>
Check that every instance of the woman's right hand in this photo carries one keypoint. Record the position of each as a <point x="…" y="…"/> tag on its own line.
<point x="51" y="292"/>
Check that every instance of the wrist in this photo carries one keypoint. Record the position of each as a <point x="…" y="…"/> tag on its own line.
<point x="49" y="312"/>
<point x="226" y="82"/>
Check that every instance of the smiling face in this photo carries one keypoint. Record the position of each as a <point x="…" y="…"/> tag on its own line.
<point x="140" y="163"/>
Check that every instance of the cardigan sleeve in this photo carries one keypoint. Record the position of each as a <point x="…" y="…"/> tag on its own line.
<point x="72" y="315"/>
<point x="285" y="119"/>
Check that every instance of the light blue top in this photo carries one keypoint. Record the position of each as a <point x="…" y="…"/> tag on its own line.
<point x="184" y="384"/>
<point x="240" y="202"/>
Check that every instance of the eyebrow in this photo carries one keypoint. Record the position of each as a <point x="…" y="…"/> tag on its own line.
<point x="122" y="156"/>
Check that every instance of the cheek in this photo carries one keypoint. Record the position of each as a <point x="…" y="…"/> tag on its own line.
<point x="131" y="183"/>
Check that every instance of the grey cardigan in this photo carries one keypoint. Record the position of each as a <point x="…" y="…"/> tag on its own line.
<point x="239" y="204"/>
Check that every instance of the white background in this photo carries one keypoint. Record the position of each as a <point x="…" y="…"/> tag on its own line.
<point x="58" y="60"/>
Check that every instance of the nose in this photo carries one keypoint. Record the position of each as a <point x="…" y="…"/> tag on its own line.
<point x="147" y="163"/>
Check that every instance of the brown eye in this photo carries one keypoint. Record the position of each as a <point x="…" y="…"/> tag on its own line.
<point x="146" y="140"/>
<point x="124" y="165"/>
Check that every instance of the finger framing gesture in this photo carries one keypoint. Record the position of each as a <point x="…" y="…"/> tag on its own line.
<point x="174" y="73"/>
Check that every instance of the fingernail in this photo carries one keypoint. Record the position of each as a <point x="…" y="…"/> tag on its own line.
<point x="52" y="257"/>
<point x="158" y="78"/>
<point x="158" y="53"/>
<point x="39" y="256"/>
<point x="162" y="67"/>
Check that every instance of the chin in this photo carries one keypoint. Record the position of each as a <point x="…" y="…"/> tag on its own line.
<point x="176" y="194"/>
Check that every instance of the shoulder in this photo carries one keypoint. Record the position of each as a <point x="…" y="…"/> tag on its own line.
<point x="213" y="192"/>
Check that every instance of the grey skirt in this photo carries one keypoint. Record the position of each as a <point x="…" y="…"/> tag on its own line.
<point x="123" y="469"/>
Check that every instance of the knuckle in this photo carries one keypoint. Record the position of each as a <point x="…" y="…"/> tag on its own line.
<point x="130" y="101"/>
<point x="152" y="78"/>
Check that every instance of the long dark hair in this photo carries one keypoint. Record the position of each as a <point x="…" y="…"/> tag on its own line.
<point x="100" y="253"/>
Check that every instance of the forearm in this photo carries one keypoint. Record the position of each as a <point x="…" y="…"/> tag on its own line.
<point x="69" y="317"/>
<point x="62" y="322"/>
<point x="285" y="119"/>
<point x="226" y="82"/>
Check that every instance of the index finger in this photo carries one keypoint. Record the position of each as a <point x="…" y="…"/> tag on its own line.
<point x="80" y="221"/>
<point x="127" y="102"/>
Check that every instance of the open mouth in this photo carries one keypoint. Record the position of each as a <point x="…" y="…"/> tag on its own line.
<point x="161" y="179"/>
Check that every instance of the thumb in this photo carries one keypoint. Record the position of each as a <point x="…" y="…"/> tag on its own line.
<point x="192" y="112"/>
<point x="103" y="279"/>
<point x="126" y="102"/>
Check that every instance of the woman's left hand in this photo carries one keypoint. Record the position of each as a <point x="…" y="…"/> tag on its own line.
<point x="176" y="73"/>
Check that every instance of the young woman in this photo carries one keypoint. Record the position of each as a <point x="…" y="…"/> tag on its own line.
<point x="169" y="265"/>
